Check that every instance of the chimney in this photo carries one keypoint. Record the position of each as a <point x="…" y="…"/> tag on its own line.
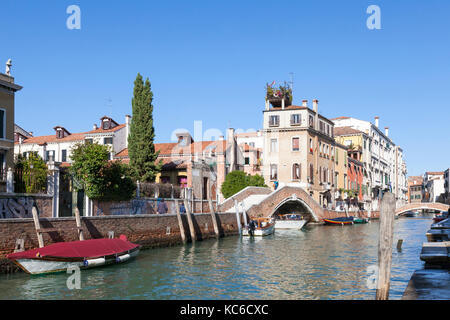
<point x="94" y="127"/>
<point x="316" y="105"/>
<point x="386" y="131"/>
<point x="221" y="138"/>
<point x="305" y="103"/>
<point x="31" y="133"/>
<point x="377" y="121"/>
<point x="231" y="145"/>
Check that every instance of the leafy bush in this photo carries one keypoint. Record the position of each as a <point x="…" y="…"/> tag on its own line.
<point x="31" y="174"/>
<point x="97" y="176"/>
<point x="235" y="181"/>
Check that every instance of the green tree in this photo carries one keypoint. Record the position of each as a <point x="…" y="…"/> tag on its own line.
<point x="97" y="176"/>
<point x="34" y="174"/>
<point x="235" y="181"/>
<point x="141" y="148"/>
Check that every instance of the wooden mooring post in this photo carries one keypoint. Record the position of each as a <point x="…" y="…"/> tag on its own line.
<point x="189" y="217"/>
<point x="387" y="216"/>
<point x="78" y="221"/>
<point x="37" y="226"/>
<point x="212" y="211"/>
<point x="180" y="221"/>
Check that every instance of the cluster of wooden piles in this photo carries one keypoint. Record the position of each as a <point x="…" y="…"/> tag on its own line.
<point x="437" y="250"/>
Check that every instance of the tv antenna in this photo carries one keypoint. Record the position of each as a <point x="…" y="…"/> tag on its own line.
<point x="291" y="83"/>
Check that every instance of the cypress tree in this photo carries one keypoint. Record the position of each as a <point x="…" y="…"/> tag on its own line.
<point x="141" y="148"/>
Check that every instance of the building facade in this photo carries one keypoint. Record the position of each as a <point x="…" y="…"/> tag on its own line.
<point x="383" y="161"/>
<point x="8" y="89"/>
<point x="415" y="189"/>
<point x="299" y="149"/>
<point x="433" y="186"/>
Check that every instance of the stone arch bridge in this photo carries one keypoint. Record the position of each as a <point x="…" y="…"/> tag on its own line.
<point x="263" y="202"/>
<point x="422" y="205"/>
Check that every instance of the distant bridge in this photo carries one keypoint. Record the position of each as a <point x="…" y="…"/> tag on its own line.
<point x="422" y="205"/>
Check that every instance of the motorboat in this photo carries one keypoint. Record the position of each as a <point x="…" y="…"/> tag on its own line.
<point x="411" y="214"/>
<point x="259" y="227"/>
<point x="84" y="254"/>
<point x="358" y="220"/>
<point x="290" y="221"/>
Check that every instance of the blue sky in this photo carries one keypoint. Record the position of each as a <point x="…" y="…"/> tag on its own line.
<point x="210" y="61"/>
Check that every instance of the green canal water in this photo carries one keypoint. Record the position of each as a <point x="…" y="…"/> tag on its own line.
<point x="319" y="262"/>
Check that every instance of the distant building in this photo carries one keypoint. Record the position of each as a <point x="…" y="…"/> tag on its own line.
<point x="383" y="161"/>
<point x="196" y="164"/>
<point x="434" y="186"/>
<point x="415" y="189"/>
<point x="447" y="181"/>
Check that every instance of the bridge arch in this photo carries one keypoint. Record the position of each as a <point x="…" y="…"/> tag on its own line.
<point x="285" y="197"/>
<point x="294" y="205"/>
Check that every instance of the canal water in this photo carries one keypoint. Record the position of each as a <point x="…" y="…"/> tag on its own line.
<point x="318" y="262"/>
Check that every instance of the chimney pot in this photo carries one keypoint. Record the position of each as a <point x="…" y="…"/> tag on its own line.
<point x="315" y="105"/>
<point x="95" y="127"/>
<point x="305" y="103"/>
<point x="377" y="121"/>
<point x="386" y="131"/>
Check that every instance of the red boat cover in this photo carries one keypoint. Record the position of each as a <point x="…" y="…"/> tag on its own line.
<point x="77" y="249"/>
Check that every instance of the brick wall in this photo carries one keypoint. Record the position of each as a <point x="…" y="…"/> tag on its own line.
<point x="147" y="230"/>
<point x="16" y="205"/>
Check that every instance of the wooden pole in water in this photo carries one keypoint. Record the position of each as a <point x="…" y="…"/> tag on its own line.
<point x="387" y="212"/>
<point x="191" y="224"/>
<point x="78" y="221"/>
<point x="37" y="226"/>
<point x="180" y="222"/>
<point x="238" y="218"/>
<point x="213" y="213"/>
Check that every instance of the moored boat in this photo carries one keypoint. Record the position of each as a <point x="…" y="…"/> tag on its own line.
<point x="360" y="220"/>
<point x="290" y="221"/>
<point x="259" y="227"/>
<point x="339" y="221"/>
<point x="411" y="214"/>
<point x="60" y="256"/>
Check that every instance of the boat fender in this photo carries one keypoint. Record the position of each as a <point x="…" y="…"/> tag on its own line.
<point x="94" y="262"/>
<point x="123" y="258"/>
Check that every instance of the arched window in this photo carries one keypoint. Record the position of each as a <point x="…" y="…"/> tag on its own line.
<point x="296" y="171"/>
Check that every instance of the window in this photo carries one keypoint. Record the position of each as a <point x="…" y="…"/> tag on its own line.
<point x="295" y="144"/>
<point x="63" y="155"/>
<point x="311" y="121"/>
<point x="296" y="119"/>
<point x="247" y="160"/>
<point x="2" y="124"/>
<point x="251" y="144"/>
<point x="311" y="145"/>
<point x="107" y="140"/>
<point x="296" y="171"/>
<point x="274" y="121"/>
<point x="273" y="145"/>
<point x="105" y="124"/>
<point x="49" y="155"/>
<point x="273" y="172"/>
<point x="89" y="141"/>
<point x="311" y="173"/>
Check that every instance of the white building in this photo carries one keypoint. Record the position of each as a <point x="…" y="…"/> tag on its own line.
<point x="58" y="146"/>
<point x="434" y="186"/>
<point x="385" y="164"/>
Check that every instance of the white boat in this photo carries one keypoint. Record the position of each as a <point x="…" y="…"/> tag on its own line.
<point x="262" y="227"/>
<point x="290" y="221"/>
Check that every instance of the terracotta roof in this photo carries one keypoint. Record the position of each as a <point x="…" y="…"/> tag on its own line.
<point x="53" y="138"/>
<point x="246" y="134"/>
<point x="100" y="130"/>
<point x="434" y="172"/>
<point x="291" y="108"/>
<point x="167" y="149"/>
<point x="342" y="131"/>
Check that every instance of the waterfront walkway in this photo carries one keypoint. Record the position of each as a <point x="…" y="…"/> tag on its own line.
<point x="428" y="284"/>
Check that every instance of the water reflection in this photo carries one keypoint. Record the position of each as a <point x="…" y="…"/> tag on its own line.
<point x="318" y="262"/>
